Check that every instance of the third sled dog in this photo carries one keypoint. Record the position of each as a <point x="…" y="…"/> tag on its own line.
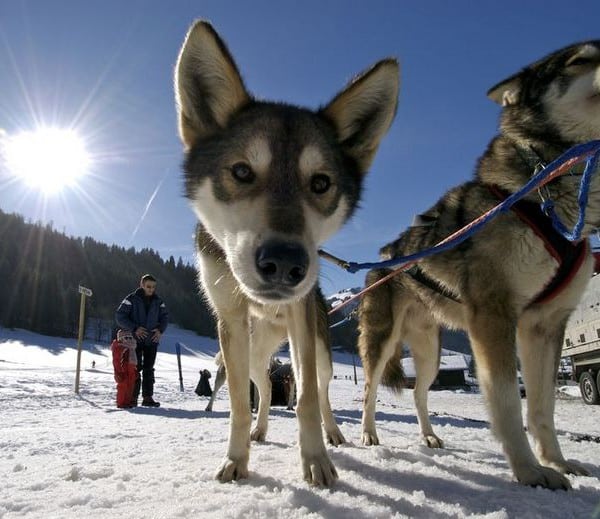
<point x="513" y="285"/>
<point x="269" y="183"/>
<point x="265" y="378"/>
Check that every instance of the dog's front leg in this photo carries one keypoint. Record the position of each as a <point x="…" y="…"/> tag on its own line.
<point x="540" y="340"/>
<point x="233" y="338"/>
<point x="301" y="322"/>
<point x="492" y="334"/>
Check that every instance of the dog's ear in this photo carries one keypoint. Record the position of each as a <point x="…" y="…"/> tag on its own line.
<point x="363" y="112"/>
<point x="507" y="92"/>
<point x="208" y="85"/>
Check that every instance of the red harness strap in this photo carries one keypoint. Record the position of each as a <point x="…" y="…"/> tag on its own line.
<point x="569" y="255"/>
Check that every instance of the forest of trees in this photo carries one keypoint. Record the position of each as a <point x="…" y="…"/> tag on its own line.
<point x="41" y="268"/>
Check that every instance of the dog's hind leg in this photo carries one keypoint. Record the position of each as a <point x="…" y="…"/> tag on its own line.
<point x="260" y="376"/>
<point x="291" y="395"/>
<point x="423" y="339"/>
<point x="379" y="348"/>
<point x="219" y="381"/>
<point x="324" y="374"/>
<point x="390" y="355"/>
<point x="233" y="338"/>
<point x="264" y="341"/>
<point x="302" y="332"/>
<point x="492" y="331"/>
<point x="540" y="342"/>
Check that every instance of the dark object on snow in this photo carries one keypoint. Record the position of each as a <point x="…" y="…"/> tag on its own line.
<point x="148" y="401"/>
<point x="203" y="387"/>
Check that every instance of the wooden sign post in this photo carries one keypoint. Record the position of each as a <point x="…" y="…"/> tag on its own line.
<point x="178" y="351"/>
<point x="85" y="292"/>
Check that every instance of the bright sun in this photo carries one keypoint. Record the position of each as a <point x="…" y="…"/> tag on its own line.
<point x="48" y="159"/>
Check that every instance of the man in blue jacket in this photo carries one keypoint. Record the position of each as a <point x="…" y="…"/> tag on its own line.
<point x="145" y="314"/>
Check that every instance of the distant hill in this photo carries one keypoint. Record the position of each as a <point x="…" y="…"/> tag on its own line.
<point x="342" y="296"/>
<point x="344" y="332"/>
<point x="41" y="268"/>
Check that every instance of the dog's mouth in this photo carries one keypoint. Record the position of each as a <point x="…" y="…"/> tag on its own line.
<point x="271" y="295"/>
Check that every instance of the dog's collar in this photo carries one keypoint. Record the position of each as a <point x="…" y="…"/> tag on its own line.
<point x="535" y="163"/>
<point x="530" y="156"/>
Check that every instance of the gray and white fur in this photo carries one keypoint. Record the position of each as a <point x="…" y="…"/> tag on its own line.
<point x="488" y="285"/>
<point x="269" y="183"/>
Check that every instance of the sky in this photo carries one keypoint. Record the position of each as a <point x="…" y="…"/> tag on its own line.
<point x="105" y="68"/>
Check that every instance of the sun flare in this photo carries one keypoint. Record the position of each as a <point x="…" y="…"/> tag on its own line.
<point x="48" y="159"/>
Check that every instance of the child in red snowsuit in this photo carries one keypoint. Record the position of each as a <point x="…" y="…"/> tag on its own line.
<point x="125" y="366"/>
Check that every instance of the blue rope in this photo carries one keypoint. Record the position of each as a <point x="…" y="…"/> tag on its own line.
<point x="582" y="200"/>
<point x="592" y="147"/>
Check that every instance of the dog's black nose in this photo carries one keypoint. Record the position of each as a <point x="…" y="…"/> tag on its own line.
<point x="282" y="263"/>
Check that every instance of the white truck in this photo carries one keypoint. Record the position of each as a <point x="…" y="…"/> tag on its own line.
<point x="582" y="343"/>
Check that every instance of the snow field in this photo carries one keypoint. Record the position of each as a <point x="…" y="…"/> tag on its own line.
<point x="63" y="455"/>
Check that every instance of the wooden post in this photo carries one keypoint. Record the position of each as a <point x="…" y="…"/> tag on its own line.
<point x="178" y="350"/>
<point x="84" y="292"/>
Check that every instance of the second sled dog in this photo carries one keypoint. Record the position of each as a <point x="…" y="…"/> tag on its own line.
<point x="513" y="285"/>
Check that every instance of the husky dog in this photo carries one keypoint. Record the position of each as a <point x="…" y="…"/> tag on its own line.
<point x="262" y="378"/>
<point x="220" y="379"/>
<point x="513" y="285"/>
<point x="269" y="183"/>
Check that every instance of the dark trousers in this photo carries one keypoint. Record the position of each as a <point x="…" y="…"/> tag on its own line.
<point x="146" y="356"/>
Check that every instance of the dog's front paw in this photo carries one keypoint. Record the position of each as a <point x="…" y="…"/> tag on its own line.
<point x="232" y="470"/>
<point x="258" y="434"/>
<point x="567" y="467"/>
<point x="335" y="436"/>
<point x="539" y="476"/>
<point x="433" y="442"/>
<point x="319" y="470"/>
<point x="370" y="438"/>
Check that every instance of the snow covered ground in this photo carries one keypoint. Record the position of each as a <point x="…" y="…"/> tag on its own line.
<point x="64" y="456"/>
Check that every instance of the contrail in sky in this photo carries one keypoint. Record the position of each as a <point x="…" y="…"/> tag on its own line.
<point x="148" y="204"/>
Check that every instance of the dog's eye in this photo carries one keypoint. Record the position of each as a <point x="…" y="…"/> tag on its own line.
<point x="580" y="61"/>
<point x="242" y="173"/>
<point x="320" y="184"/>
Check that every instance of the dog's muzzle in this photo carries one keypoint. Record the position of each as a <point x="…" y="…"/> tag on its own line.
<point x="281" y="264"/>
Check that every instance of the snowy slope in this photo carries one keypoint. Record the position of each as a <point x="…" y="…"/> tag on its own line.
<point x="342" y="296"/>
<point x="63" y="456"/>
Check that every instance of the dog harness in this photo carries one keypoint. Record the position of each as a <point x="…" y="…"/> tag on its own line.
<point x="569" y="256"/>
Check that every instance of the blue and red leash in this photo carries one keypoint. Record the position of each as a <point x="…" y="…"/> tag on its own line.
<point x="588" y="153"/>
